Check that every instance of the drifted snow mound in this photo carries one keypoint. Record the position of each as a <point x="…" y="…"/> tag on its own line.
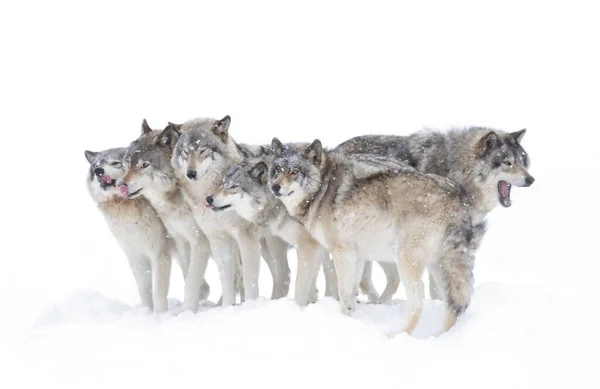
<point x="502" y="341"/>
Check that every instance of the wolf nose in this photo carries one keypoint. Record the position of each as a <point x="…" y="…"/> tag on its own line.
<point x="209" y="200"/>
<point x="98" y="171"/>
<point x="191" y="174"/>
<point x="275" y="188"/>
<point x="529" y="180"/>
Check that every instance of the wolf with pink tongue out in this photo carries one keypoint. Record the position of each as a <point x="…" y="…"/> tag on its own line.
<point x="136" y="227"/>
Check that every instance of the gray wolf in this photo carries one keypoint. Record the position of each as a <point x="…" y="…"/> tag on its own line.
<point x="149" y="173"/>
<point x="265" y="152"/>
<point x="485" y="162"/>
<point x="361" y="211"/>
<point x="202" y="154"/>
<point x="244" y="189"/>
<point x="135" y="225"/>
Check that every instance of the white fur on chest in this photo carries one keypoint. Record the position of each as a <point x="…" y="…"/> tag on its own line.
<point x="136" y="229"/>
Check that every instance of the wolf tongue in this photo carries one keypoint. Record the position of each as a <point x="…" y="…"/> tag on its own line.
<point x="124" y="190"/>
<point x="106" y="180"/>
<point x="504" y="189"/>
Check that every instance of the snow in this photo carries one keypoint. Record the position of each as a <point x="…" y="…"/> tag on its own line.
<point x="77" y="76"/>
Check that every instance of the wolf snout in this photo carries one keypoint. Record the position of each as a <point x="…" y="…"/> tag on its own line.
<point x="99" y="171"/>
<point x="276" y="188"/>
<point x="191" y="174"/>
<point x="209" y="200"/>
<point x="529" y="180"/>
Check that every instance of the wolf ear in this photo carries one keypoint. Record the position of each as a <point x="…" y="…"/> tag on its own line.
<point x="486" y="144"/>
<point x="314" y="152"/>
<point x="90" y="156"/>
<point x="176" y="127"/>
<point x="518" y="135"/>
<point x="168" y="137"/>
<point x="259" y="171"/>
<point x="145" y="127"/>
<point x="221" y="128"/>
<point x="277" y="146"/>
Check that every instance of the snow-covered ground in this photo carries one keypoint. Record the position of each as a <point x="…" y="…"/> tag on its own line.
<point x="78" y="76"/>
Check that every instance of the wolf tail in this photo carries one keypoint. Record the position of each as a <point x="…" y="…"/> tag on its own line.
<point x="478" y="232"/>
<point x="456" y="267"/>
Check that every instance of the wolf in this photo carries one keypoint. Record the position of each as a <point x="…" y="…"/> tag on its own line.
<point x="202" y="154"/>
<point x="485" y="162"/>
<point x="265" y="152"/>
<point x="148" y="172"/>
<point x="244" y="190"/>
<point x="135" y="225"/>
<point x="364" y="212"/>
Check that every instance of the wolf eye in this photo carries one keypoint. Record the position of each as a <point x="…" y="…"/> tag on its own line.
<point x="507" y="163"/>
<point x="295" y="171"/>
<point x="233" y="186"/>
<point x="145" y="165"/>
<point x="277" y="169"/>
<point x="184" y="153"/>
<point x="116" y="164"/>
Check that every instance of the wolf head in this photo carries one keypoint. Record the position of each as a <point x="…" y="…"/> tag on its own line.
<point x="148" y="162"/>
<point x="243" y="189"/>
<point x="503" y="162"/>
<point x="204" y="147"/>
<point x="106" y="168"/>
<point x="296" y="173"/>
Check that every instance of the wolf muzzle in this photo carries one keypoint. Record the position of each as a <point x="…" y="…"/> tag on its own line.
<point x="191" y="174"/>
<point x="276" y="188"/>
<point x="529" y="180"/>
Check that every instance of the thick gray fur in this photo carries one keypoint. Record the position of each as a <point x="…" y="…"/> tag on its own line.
<point x="363" y="211"/>
<point x="477" y="158"/>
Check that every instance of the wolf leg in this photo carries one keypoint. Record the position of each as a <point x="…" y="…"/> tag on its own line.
<point x="223" y="250"/>
<point x="142" y="272"/>
<point x="435" y="291"/>
<point x="310" y="254"/>
<point x="183" y="255"/>
<point x="393" y="280"/>
<point x="346" y="268"/>
<point x="250" y="253"/>
<point x="359" y="271"/>
<point x="239" y="277"/>
<point x="274" y="251"/>
<point x="366" y="283"/>
<point x="410" y="269"/>
<point x="331" y="287"/>
<point x="194" y="282"/>
<point x="161" y="273"/>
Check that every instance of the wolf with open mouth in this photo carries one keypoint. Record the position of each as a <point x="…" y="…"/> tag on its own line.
<point x="485" y="162"/>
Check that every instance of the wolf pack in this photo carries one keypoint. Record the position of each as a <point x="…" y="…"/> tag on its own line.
<point x="190" y="192"/>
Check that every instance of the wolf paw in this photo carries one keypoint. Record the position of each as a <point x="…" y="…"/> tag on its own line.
<point x="161" y="306"/>
<point x="204" y="291"/>
<point x="313" y="297"/>
<point x="348" y="309"/>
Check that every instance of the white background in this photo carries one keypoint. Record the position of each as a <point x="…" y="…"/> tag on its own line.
<point x="83" y="75"/>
